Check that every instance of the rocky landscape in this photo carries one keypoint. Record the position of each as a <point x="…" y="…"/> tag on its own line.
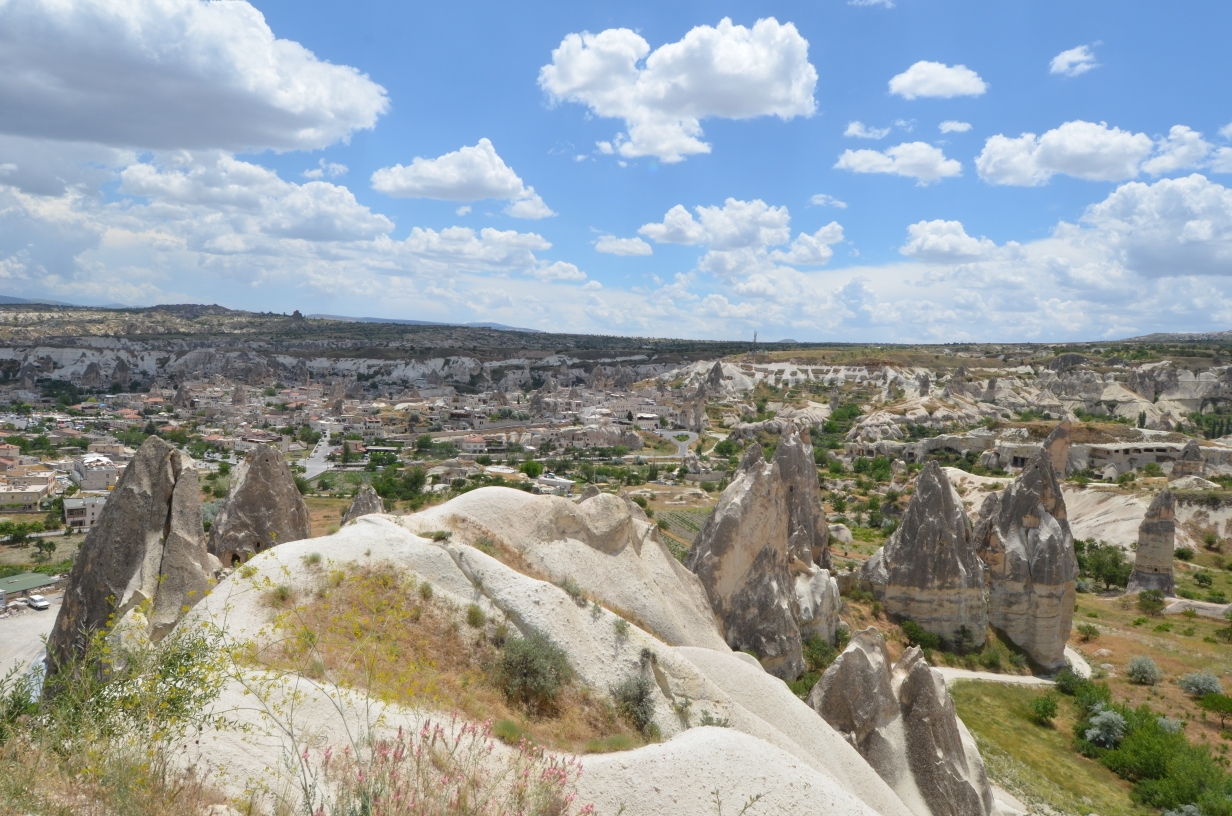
<point x="783" y="639"/>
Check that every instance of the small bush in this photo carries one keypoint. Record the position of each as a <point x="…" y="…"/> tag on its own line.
<point x="1088" y="632"/>
<point x="1044" y="709"/>
<point x="1151" y="602"/>
<point x="1067" y="682"/>
<point x="532" y="670"/>
<point x="1143" y="671"/>
<point x="281" y="594"/>
<point x="1107" y="729"/>
<point x="634" y="702"/>
<point x="1217" y="596"/>
<point x="1203" y="579"/>
<point x="1200" y="684"/>
<point x="622" y="628"/>
<point x="312" y="559"/>
<point x="425" y="591"/>
<point x="475" y="617"/>
<point x="1184" y="554"/>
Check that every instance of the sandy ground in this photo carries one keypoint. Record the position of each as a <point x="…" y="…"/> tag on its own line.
<point x="21" y="635"/>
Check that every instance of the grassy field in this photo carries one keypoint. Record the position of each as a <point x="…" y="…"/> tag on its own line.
<point x="325" y="514"/>
<point x="66" y="547"/>
<point x="1037" y="763"/>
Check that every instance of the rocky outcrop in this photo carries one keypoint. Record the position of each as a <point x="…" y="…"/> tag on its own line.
<point x="604" y="544"/>
<point x="92" y="377"/>
<point x="928" y="570"/>
<point x="1156" y="541"/>
<point x="144" y="563"/>
<point x="808" y="535"/>
<point x="366" y="501"/>
<point x="263" y="508"/>
<point x="121" y="374"/>
<point x="762" y="557"/>
<point x="741" y="557"/>
<point x="903" y="722"/>
<point x="1023" y="537"/>
<point x="1191" y="463"/>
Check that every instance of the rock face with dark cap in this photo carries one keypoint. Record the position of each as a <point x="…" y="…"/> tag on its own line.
<point x="761" y="557"/>
<point x="366" y="502"/>
<point x="1024" y="538"/>
<point x="1156" y="542"/>
<point x="144" y="562"/>
<point x="903" y="722"/>
<point x="263" y="509"/>
<point x="928" y="570"/>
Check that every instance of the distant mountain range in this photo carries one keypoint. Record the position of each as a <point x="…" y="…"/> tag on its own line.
<point x="27" y="301"/>
<point x="346" y="319"/>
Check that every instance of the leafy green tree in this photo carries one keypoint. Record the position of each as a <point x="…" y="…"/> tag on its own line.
<point x="532" y="469"/>
<point x="1218" y="704"/>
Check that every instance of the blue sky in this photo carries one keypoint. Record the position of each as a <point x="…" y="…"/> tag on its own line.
<point x="700" y="170"/>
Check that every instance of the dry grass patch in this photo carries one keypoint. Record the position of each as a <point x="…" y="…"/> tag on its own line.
<point x="1179" y="645"/>
<point x="383" y="631"/>
<point x="325" y="513"/>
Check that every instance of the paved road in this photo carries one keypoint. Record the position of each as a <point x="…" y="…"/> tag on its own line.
<point x="21" y="636"/>
<point x="951" y="675"/>
<point x="315" y="464"/>
<point x="681" y="447"/>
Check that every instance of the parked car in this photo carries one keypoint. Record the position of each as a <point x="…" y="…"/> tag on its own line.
<point x="37" y="602"/>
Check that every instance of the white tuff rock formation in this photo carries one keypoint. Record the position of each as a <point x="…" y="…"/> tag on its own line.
<point x="1156" y="542"/>
<point x="1024" y="538"/>
<point x="928" y="570"/>
<point x="902" y="720"/>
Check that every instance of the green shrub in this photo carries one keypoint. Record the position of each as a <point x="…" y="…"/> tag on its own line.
<point x="634" y="702"/>
<point x="475" y="618"/>
<point x="1151" y="602"/>
<point x="1143" y="671"/>
<point x="1044" y="709"/>
<point x="917" y="636"/>
<point x="1067" y="682"/>
<point x="1184" y="553"/>
<point x="425" y="591"/>
<point x="532" y="670"/>
<point x="1088" y="631"/>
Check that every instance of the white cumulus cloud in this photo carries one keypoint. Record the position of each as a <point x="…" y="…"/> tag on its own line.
<point x="1086" y="150"/>
<point x="324" y="168"/>
<point x="823" y="200"/>
<point x="1172" y="227"/>
<point x="1074" y="62"/>
<point x="918" y="160"/>
<point x="947" y="242"/>
<point x="612" y="245"/>
<point x="557" y="271"/>
<point x="953" y="126"/>
<point x="861" y="131"/>
<point x="170" y="74"/>
<point x="745" y="243"/>
<point x="936" y="79"/>
<point x="468" y="174"/>
<point x="728" y="71"/>
<point x="1182" y="149"/>
<point x="735" y="225"/>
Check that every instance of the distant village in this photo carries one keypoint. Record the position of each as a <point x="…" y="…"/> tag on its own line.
<point x="68" y="444"/>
